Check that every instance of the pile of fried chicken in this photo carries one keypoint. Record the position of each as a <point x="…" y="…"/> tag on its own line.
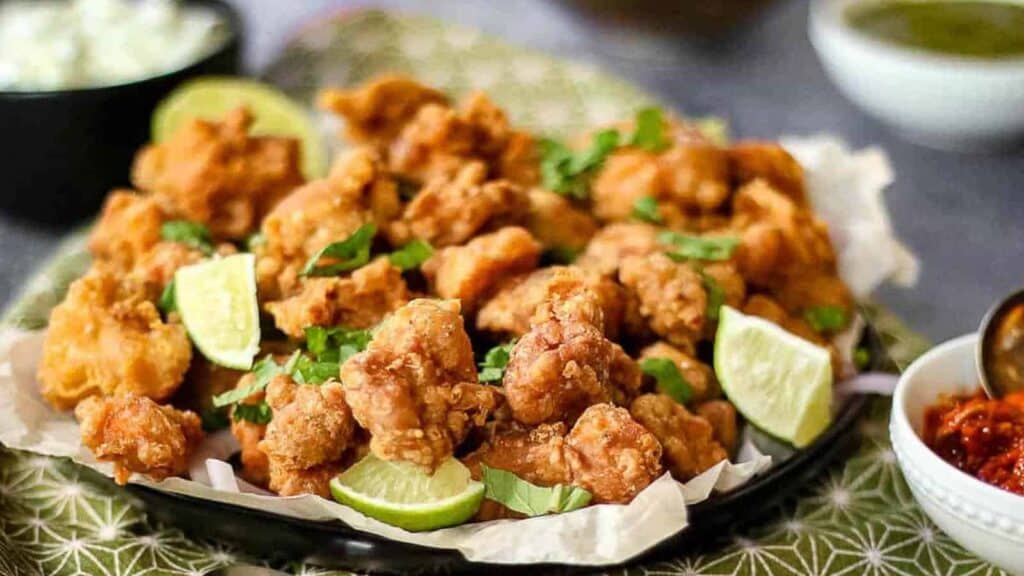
<point x="579" y="287"/>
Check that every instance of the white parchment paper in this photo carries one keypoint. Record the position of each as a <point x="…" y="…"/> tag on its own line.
<point x="846" y="189"/>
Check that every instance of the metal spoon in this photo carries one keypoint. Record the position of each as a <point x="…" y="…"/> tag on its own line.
<point x="1000" y="352"/>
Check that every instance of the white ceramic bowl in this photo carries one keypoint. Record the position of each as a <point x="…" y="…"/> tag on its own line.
<point x="937" y="100"/>
<point x="984" y="519"/>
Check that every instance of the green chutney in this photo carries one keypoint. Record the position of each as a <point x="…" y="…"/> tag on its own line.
<point x="962" y="28"/>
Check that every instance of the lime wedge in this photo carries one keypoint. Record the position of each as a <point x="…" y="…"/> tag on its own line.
<point x="217" y="303"/>
<point x="403" y="495"/>
<point x="781" y="383"/>
<point x="275" y="114"/>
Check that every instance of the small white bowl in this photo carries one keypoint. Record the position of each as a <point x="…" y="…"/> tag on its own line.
<point x="984" y="519"/>
<point x="938" y="100"/>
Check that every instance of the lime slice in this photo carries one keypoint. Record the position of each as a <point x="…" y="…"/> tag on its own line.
<point x="217" y="303"/>
<point x="781" y="383"/>
<point x="275" y="114"/>
<point x="403" y="495"/>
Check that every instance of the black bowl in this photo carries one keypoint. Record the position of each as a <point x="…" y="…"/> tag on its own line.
<point x="63" y="150"/>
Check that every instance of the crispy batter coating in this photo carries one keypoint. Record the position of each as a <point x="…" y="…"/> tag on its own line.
<point x="752" y="159"/>
<point x="156" y="267"/>
<point x="616" y="242"/>
<point x="255" y="464"/>
<point x="509" y="311"/>
<point x="564" y="364"/>
<point x="695" y="177"/>
<point x="766" y="307"/>
<point x="729" y="279"/>
<point x="439" y="140"/>
<point x="807" y="291"/>
<point x="536" y="455"/>
<point x="217" y="174"/>
<point x="107" y="338"/>
<point x="699" y="375"/>
<point x="611" y="455"/>
<point x="311" y="428"/>
<point x="451" y="210"/>
<point x="415" y="386"/>
<point x="138" y="435"/>
<point x="356" y="191"/>
<point x="470" y="272"/>
<point x="358" y="301"/>
<point x="556" y="223"/>
<point x="721" y="414"/>
<point x="688" y="441"/>
<point x="315" y="480"/>
<point x="779" y="239"/>
<point x="376" y="111"/>
<point x="128" y="227"/>
<point x="671" y="296"/>
<point x="626" y="176"/>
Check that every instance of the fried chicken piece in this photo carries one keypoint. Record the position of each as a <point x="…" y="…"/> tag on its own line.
<point x="439" y="140"/>
<point x="626" y="176"/>
<point x="128" y="227"/>
<point x="729" y="279"/>
<point x="358" y="301"/>
<point x="449" y="211"/>
<point x="616" y="242"/>
<point x="357" y="191"/>
<point x="688" y="441"/>
<point x="765" y="307"/>
<point x="415" y="387"/>
<point x="509" y="311"/>
<point x="536" y="455"/>
<point x="107" y="338"/>
<point x="611" y="455"/>
<point x="138" y="435"/>
<point x="805" y="292"/>
<point x="470" y="272"/>
<point x="685" y="180"/>
<point x="156" y="267"/>
<point x="721" y="414"/>
<point x="556" y="223"/>
<point x="217" y="174"/>
<point x="564" y="364"/>
<point x="779" y="239"/>
<point x="298" y="481"/>
<point x="376" y="111"/>
<point x="699" y="375"/>
<point x="255" y="464"/>
<point x="671" y="296"/>
<point x="751" y="160"/>
<point x="695" y="177"/>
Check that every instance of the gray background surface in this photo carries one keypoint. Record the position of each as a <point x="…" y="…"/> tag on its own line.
<point x="962" y="214"/>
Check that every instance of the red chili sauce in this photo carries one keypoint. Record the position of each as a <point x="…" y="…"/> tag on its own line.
<point x="982" y="437"/>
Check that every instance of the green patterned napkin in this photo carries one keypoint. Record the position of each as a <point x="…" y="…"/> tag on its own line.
<point x="57" y="518"/>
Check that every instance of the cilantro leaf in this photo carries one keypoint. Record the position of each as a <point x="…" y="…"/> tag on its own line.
<point x="192" y="234"/>
<point x="309" y="371"/>
<point x="826" y="318"/>
<point x="166" y="303"/>
<point x="347" y="254"/>
<point x="649" y="132"/>
<point x="517" y="494"/>
<point x="336" y="344"/>
<point x="265" y="370"/>
<point x="645" y="209"/>
<point x="668" y="377"/>
<point x="214" y="419"/>
<point x="861" y="358"/>
<point x="259" y="413"/>
<point x="411" y="255"/>
<point x="492" y="369"/>
<point x="716" y="296"/>
<point x="568" y="173"/>
<point x="686" y="247"/>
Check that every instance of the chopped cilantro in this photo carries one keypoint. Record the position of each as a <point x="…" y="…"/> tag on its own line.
<point x="716" y="296"/>
<point x="861" y="358"/>
<point x="214" y="419"/>
<point x="645" y="209"/>
<point x="265" y="370"/>
<point x="517" y="494"/>
<point x="686" y="247"/>
<point x="492" y="369"/>
<point x="309" y="371"/>
<point x="166" y="304"/>
<point x="345" y="255"/>
<point x="649" y="132"/>
<point x="568" y="173"/>
<point x="259" y="413"/>
<point x="826" y="318"/>
<point x="336" y="344"/>
<point x="668" y="377"/>
<point x="192" y="234"/>
<point x="411" y="255"/>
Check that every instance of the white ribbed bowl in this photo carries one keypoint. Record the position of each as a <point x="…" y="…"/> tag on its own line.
<point x="984" y="519"/>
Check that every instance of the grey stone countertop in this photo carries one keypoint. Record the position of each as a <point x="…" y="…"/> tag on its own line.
<point x="962" y="214"/>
